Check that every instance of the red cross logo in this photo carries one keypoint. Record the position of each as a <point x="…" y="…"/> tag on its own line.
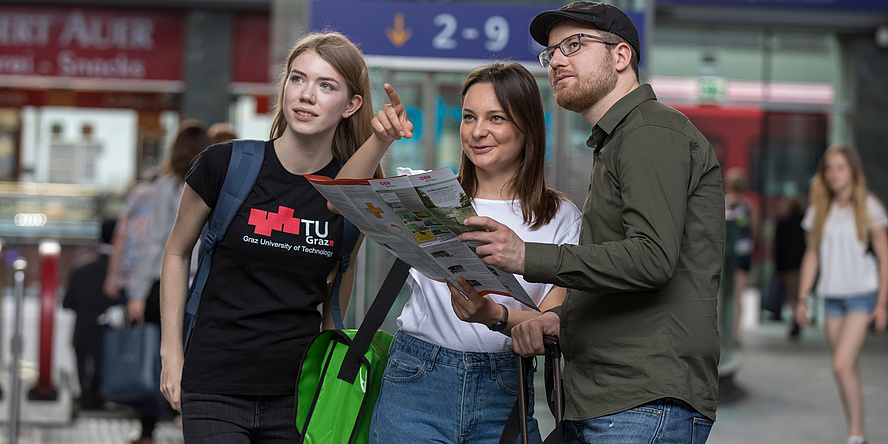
<point x="266" y="222"/>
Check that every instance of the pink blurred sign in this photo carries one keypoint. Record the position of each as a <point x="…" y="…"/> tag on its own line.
<point x="120" y="44"/>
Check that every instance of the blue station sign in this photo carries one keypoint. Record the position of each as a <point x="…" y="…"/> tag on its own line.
<point x="876" y="6"/>
<point x="433" y="30"/>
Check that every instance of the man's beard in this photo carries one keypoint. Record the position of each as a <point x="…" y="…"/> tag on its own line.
<point x="588" y="89"/>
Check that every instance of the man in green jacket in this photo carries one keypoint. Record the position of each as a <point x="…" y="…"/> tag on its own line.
<point x="639" y="327"/>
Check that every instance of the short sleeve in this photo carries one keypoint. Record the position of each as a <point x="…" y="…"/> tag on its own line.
<point x="208" y="172"/>
<point x="808" y="221"/>
<point x="878" y="218"/>
<point x="569" y="231"/>
<point x="405" y="171"/>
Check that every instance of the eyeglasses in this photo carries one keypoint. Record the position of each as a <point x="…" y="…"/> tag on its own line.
<point x="568" y="46"/>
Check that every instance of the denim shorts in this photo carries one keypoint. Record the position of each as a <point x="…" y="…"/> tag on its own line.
<point x="434" y="394"/>
<point x="666" y="420"/>
<point x="837" y="307"/>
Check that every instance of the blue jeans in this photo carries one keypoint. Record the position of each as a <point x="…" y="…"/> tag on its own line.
<point x="664" y="421"/>
<point x="209" y="418"/>
<point x="838" y="307"/>
<point x="435" y="394"/>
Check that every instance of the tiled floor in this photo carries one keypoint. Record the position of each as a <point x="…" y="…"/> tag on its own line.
<point x="88" y="429"/>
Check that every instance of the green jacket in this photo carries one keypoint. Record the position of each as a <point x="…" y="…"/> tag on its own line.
<point x="639" y="321"/>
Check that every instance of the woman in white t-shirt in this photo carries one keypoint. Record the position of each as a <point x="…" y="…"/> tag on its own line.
<point x="449" y="380"/>
<point x="848" y="246"/>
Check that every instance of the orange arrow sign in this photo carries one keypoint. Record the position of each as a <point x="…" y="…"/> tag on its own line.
<point x="399" y="34"/>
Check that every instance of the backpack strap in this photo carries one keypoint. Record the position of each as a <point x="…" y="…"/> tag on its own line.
<point x="243" y="170"/>
<point x="350" y="235"/>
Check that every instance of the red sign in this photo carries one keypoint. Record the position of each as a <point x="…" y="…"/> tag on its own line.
<point x="250" y="58"/>
<point x="90" y="43"/>
<point x="250" y="50"/>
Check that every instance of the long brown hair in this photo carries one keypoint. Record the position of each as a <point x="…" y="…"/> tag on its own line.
<point x="822" y="196"/>
<point x="519" y="95"/>
<point x="191" y="140"/>
<point x="348" y="61"/>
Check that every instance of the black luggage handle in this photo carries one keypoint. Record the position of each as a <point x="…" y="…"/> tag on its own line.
<point x="516" y="424"/>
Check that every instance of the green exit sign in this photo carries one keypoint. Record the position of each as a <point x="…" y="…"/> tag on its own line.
<point x="711" y="88"/>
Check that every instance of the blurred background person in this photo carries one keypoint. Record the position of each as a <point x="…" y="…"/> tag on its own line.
<point x="143" y="298"/>
<point x="789" y="247"/>
<point x="221" y="132"/>
<point x="130" y="239"/>
<point x="84" y="295"/>
<point x="847" y="253"/>
<point x="746" y="218"/>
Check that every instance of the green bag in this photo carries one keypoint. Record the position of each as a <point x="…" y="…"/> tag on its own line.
<point x="341" y="373"/>
<point x="338" y="411"/>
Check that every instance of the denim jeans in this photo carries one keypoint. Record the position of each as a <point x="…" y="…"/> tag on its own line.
<point x="209" y="418"/>
<point x="435" y="394"/>
<point x="664" y="421"/>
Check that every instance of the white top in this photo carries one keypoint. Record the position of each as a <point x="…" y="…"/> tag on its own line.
<point x="429" y="314"/>
<point x="846" y="269"/>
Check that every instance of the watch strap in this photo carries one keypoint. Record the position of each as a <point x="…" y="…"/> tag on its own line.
<point x="503" y="322"/>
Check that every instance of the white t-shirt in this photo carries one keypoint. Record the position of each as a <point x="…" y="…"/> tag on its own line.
<point x="846" y="269"/>
<point x="429" y="314"/>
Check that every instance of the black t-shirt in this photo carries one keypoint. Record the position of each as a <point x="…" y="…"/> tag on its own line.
<point x="259" y="308"/>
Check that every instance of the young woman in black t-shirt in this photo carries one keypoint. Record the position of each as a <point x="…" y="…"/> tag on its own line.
<point x="269" y="273"/>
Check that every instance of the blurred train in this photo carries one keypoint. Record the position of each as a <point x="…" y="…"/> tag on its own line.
<point x="779" y="150"/>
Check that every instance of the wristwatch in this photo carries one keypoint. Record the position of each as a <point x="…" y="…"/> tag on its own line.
<point x="501" y="325"/>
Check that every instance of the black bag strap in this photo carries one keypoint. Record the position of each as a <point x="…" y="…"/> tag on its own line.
<point x="383" y="302"/>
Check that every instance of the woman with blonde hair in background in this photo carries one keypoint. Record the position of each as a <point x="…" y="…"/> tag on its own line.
<point x="847" y="254"/>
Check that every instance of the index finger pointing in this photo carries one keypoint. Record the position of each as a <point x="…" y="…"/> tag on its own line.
<point x="393" y="95"/>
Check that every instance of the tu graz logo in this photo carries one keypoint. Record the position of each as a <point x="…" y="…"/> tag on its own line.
<point x="267" y="222"/>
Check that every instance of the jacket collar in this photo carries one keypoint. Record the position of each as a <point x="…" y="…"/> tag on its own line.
<point x="618" y="112"/>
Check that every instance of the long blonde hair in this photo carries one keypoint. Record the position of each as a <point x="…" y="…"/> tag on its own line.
<point x="822" y="196"/>
<point x="348" y="61"/>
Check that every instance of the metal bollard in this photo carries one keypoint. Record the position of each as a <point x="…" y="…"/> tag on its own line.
<point x="49" y="260"/>
<point x="15" y="397"/>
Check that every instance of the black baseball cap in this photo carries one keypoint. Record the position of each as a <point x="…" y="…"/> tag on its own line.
<point x="602" y="16"/>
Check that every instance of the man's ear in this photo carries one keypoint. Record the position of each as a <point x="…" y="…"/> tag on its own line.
<point x="622" y="55"/>
<point x="353" y="106"/>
